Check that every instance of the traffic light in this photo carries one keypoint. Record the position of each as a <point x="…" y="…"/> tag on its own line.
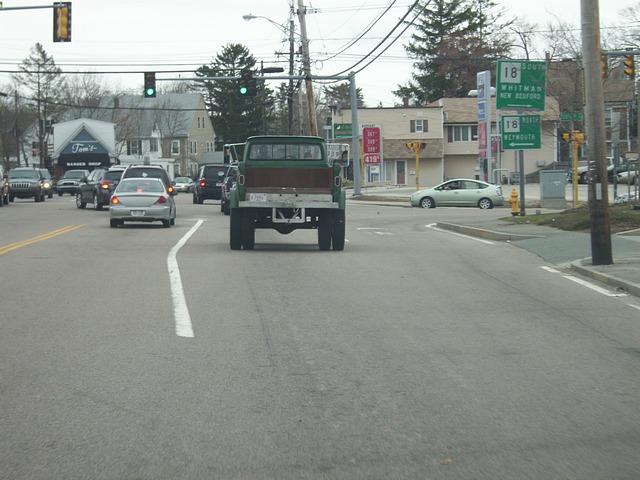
<point x="604" y="66"/>
<point x="62" y="22"/>
<point x="149" y="85"/>
<point x="629" y="65"/>
<point x="247" y="84"/>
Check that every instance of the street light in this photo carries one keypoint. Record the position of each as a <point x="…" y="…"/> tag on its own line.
<point x="291" y="54"/>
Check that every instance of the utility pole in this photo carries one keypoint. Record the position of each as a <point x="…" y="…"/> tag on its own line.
<point x="601" y="253"/>
<point x="290" y="93"/>
<point x="306" y="66"/>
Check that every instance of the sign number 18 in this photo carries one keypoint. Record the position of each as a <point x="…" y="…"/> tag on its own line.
<point x="511" y="72"/>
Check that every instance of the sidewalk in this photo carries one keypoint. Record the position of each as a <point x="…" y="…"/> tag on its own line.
<point x="555" y="245"/>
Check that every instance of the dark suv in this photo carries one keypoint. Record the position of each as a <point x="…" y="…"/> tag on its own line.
<point x="153" y="171"/>
<point x="48" y="182"/>
<point x="228" y="182"/>
<point x="26" y="182"/>
<point x="98" y="187"/>
<point x="209" y="183"/>
<point x="68" y="183"/>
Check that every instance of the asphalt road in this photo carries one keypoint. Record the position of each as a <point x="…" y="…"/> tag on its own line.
<point x="414" y="353"/>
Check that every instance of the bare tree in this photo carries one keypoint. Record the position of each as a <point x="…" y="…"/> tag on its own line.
<point x="83" y="94"/>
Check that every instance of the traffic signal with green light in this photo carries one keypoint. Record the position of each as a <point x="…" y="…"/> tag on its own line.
<point x="62" y="22"/>
<point x="629" y="65"/>
<point x="149" y="85"/>
<point x="247" y="84"/>
<point x="604" y="66"/>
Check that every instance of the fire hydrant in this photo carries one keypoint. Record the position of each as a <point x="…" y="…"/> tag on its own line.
<point x="513" y="200"/>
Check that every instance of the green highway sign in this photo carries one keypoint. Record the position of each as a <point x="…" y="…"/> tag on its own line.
<point x="342" y="130"/>
<point x="571" y="116"/>
<point x="521" y="132"/>
<point x="521" y="85"/>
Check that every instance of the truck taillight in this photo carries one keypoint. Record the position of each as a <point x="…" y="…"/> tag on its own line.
<point x="241" y="179"/>
<point x="337" y="181"/>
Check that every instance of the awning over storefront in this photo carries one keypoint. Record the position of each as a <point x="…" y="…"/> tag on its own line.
<point x="84" y="144"/>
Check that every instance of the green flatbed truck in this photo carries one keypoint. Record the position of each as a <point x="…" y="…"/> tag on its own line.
<point x="287" y="183"/>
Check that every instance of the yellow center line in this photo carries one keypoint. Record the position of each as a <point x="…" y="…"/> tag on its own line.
<point x="39" y="238"/>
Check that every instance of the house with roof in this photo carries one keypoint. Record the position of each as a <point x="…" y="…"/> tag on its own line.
<point x="83" y="144"/>
<point x="173" y="126"/>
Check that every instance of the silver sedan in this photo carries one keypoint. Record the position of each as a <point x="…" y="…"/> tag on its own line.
<point x="459" y="192"/>
<point x="142" y="200"/>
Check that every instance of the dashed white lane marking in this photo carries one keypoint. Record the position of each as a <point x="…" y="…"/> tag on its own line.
<point x="587" y="284"/>
<point x="180" y="308"/>
<point x="432" y="226"/>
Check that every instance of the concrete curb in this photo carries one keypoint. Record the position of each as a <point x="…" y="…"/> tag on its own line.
<point x="608" y="279"/>
<point x="483" y="233"/>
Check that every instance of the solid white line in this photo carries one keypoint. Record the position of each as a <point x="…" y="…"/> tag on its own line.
<point x="180" y="308"/>
<point x="433" y="227"/>
<point x="549" y="269"/>
<point x="594" y="287"/>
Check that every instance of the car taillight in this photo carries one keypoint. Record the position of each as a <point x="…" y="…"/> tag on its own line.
<point x="105" y="185"/>
<point x="161" y="201"/>
<point x="114" y="200"/>
<point x="170" y="189"/>
<point x="203" y="183"/>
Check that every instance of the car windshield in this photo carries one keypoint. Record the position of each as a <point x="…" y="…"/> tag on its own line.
<point x="140" y="186"/>
<point x="214" y="172"/>
<point x="183" y="180"/>
<point x="23" y="174"/>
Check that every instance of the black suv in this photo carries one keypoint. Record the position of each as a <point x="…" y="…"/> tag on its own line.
<point x="68" y="183"/>
<point x="209" y="183"/>
<point x="153" y="171"/>
<point x="98" y="187"/>
<point x="48" y="182"/>
<point x="26" y="182"/>
<point x="228" y="182"/>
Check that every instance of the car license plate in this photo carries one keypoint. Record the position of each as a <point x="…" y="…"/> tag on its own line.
<point x="138" y="213"/>
<point x="219" y="184"/>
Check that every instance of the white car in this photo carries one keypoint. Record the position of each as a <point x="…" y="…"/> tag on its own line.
<point x="628" y="177"/>
<point x="184" y="184"/>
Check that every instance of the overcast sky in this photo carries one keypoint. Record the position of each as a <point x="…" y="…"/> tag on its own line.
<point x="163" y="35"/>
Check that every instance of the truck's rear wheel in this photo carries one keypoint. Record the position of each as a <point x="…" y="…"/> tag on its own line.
<point x="248" y="230"/>
<point x="235" y="224"/>
<point x="324" y="230"/>
<point x="338" y="230"/>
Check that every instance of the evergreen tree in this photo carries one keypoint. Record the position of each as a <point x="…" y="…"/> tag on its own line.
<point x="455" y="40"/>
<point x="235" y="117"/>
<point x="43" y="79"/>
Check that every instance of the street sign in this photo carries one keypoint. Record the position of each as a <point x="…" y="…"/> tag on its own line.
<point x="521" y="132"/>
<point x="571" y="116"/>
<point x="342" y="130"/>
<point x="521" y="85"/>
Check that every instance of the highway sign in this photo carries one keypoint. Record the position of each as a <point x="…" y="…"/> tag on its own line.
<point x="521" y="132"/>
<point x="521" y="85"/>
<point x="342" y="130"/>
<point x="571" y="116"/>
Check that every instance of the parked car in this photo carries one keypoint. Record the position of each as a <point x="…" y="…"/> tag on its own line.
<point x="459" y="192"/>
<point x="229" y="180"/>
<point x="98" y="187"/>
<point x="48" y="182"/>
<point x="69" y="181"/>
<point x="628" y="177"/>
<point x="150" y="171"/>
<point x="26" y="182"/>
<point x="142" y="199"/>
<point x="209" y="183"/>
<point x="4" y="187"/>
<point x="184" y="184"/>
